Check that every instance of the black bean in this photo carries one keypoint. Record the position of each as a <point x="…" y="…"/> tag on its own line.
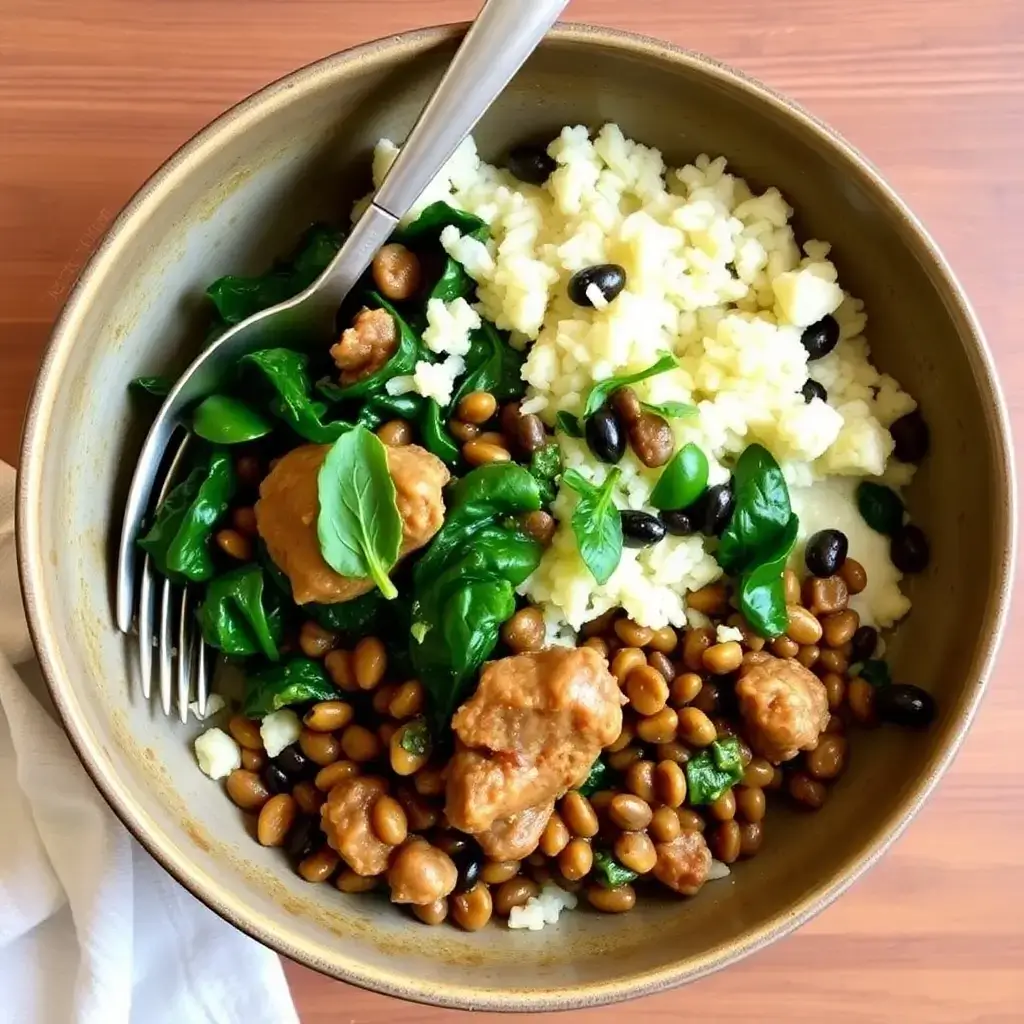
<point x="820" y="338"/>
<point x="712" y="511"/>
<point x="905" y="704"/>
<point x="468" y="863"/>
<point x="812" y="390"/>
<point x="294" y="763"/>
<point x="303" y="837"/>
<point x="911" y="436"/>
<point x="864" y="642"/>
<point x="610" y="279"/>
<point x="531" y="164"/>
<point x="678" y="523"/>
<point x="275" y="779"/>
<point x="605" y="435"/>
<point x="641" y="529"/>
<point x="825" y="552"/>
<point x="908" y="549"/>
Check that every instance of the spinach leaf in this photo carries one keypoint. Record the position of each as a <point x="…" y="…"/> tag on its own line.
<point x="464" y="585"/>
<point x="762" y="512"/>
<point x="761" y="592"/>
<point x="597" y="524"/>
<point x="492" y="365"/>
<point x="416" y="737"/>
<point x="876" y="672"/>
<point x="714" y="770"/>
<point x="603" y="388"/>
<point x="299" y="681"/>
<point x="424" y="412"/>
<point x="454" y="283"/>
<point x="609" y="872"/>
<point x="238" y="617"/>
<point x="880" y="507"/>
<point x="359" y="525"/>
<point x="410" y="350"/>
<point x="238" y="298"/>
<point x="285" y="371"/>
<point x="546" y="468"/>
<point x="179" y="539"/>
<point x="671" y="410"/>
<point x="225" y="420"/>
<point x="350" y="619"/>
<point x="683" y="480"/>
<point x="158" y="386"/>
<point x="427" y="227"/>
<point x="599" y="777"/>
<point x="568" y="424"/>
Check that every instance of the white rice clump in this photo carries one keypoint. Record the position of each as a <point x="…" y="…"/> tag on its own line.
<point x="542" y="909"/>
<point x="714" y="275"/>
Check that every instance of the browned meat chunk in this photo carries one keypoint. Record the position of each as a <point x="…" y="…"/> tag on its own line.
<point x="517" y="837"/>
<point x="784" y="706"/>
<point x="530" y="732"/>
<point x="366" y="346"/>
<point x="345" y="819"/>
<point x="683" y="864"/>
<point x="421" y="874"/>
<point x="287" y="511"/>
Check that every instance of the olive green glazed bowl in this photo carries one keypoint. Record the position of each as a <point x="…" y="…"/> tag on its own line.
<point x="234" y="197"/>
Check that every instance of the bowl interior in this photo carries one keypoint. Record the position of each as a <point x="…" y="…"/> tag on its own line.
<point x="238" y="196"/>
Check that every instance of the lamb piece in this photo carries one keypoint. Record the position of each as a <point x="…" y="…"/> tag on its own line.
<point x="366" y="346"/>
<point x="531" y="731"/>
<point x="517" y="837"/>
<point x="784" y="707"/>
<point x="684" y="863"/>
<point x="345" y="819"/>
<point x="289" y="504"/>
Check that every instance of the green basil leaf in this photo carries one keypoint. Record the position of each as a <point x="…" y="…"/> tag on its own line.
<point x="464" y="584"/>
<point x="876" y="672"/>
<point x="671" y="410"/>
<point x="609" y="872"/>
<point x="546" y="468"/>
<point x="238" y="617"/>
<point x="683" y="480"/>
<point x="599" y="777"/>
<point x="225" y="420"/>
<point x="602" y="389"/>
<point x="299" y="681"/>
<point x="427" y="227"/>
<point x="179" y="539"/>
<point x="880" y="507"/>
<point x="761" y="591"/>
<point x="597" y="524"/>
<point x="761" y="514"/>
<point x="568" y="424"/>
<point x="416" y="738"/>
<point x="492" y="365"/>
<point x="238" y="298"/>
<point x="158" y="386"/>
<point x="410" y="350"/>
<point x="359" y="525"/>
<point x="714" y="770"/>
<point x="285" y="371"/>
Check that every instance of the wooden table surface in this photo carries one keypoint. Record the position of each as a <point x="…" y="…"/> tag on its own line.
<point x="94" y="96"/>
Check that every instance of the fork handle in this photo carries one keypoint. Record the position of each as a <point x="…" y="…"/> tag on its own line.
<point x="497" y="44"/>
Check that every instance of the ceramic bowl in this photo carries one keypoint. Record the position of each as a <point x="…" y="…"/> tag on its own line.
<point x="236" y="196"/>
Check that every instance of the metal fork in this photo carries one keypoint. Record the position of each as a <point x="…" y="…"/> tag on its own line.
<point x="503" y="35"/>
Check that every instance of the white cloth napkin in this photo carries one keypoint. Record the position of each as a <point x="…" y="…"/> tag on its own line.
<point x="92" y="929"/>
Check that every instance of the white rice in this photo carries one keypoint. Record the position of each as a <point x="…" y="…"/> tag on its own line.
<point x="542" y="909"/>
<point x="714" y="275"/>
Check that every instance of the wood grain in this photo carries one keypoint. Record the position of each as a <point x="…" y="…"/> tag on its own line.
<point x="94" y="96"/>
